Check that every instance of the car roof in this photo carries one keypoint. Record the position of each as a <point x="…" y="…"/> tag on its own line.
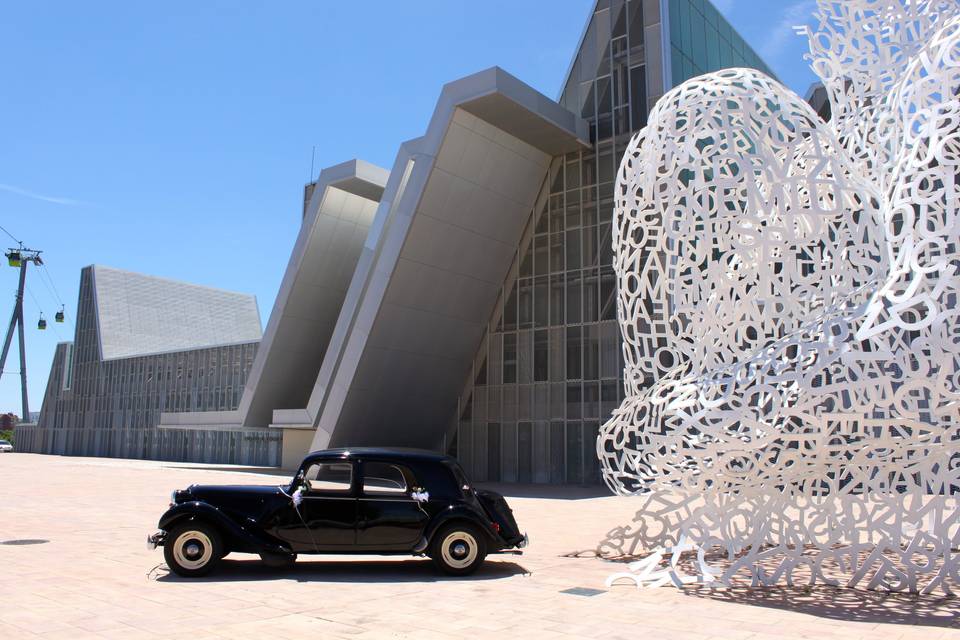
<point x="381" y="453"/>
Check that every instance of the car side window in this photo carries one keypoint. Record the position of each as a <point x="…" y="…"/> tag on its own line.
<point x="330" y="476"/>
<point x="380" y="478"/>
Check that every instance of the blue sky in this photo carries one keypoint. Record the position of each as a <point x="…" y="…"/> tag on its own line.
<point x="174" y="138"/>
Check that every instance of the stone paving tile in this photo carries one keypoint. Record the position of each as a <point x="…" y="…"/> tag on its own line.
<point x="95" y="578"/>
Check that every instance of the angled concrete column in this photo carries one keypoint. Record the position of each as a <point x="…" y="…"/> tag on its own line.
<point x="336" y="222"/>
<point x="443" y="239"/>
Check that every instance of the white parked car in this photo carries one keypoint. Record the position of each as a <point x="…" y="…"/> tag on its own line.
<point x="5" y="446"/>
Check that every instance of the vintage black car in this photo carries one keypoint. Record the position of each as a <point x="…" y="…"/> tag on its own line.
<point x="350" y="501"/>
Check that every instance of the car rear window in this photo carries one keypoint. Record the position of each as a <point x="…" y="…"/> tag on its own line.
<point x="459" y="476"/>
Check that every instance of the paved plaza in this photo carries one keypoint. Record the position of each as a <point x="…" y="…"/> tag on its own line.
<point x="92" y="576"/>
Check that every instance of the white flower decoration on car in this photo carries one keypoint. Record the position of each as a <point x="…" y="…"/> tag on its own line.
<point x="297" y="496"/>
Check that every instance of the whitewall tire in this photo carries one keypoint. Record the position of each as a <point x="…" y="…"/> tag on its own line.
<point x="193" y="549"/>
<point x="458" y="549"/>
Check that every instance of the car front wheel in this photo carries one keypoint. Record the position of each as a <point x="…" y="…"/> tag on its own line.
<point x="458" y="549"/>
<point x="193" y="549"/>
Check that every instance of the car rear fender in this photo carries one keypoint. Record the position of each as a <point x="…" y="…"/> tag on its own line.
<point x="237" y="537"/>
<point x="500" y="512"/>
<point x="463" y="514"/>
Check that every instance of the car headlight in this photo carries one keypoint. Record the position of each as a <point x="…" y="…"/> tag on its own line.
<point x="173" y="497"/>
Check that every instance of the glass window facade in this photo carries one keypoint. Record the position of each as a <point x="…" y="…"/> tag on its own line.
<point x="555" y="345"/>
<point x="701" y="41"/>
<point x="549" y="371"/>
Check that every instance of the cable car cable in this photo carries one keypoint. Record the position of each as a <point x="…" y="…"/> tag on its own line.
<point x="46" y="271"/>
<point x="44" y="322"/>
<point x="11" y="235"/>
<point x="52" y="288"/>
<point x="47" y="285"/>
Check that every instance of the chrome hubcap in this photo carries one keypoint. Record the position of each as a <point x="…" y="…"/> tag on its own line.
<point x="459" y="550"/>
<point x="192" y="549"/>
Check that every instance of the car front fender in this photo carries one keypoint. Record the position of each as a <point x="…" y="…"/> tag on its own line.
<point x="239" y="537"/>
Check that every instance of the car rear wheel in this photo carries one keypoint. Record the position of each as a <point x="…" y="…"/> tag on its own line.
<point x="458" y="549"/>
<point x="193" y="549"/>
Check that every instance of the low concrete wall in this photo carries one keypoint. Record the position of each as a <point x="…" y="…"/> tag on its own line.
<point x="247" y="446"/>
<point x="296" y="445"/>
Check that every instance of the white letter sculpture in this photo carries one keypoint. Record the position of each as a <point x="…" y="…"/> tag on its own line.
<point x="788" y="303"/>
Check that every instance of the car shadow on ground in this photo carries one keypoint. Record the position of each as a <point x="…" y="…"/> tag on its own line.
<point x="260" y="471"/>
<point x="552" y="491"/>
<point x="845" y="604"/>
<point x="343" y="570"/>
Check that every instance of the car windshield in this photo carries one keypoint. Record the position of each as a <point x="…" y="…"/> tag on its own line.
<point x="4" y="442"/>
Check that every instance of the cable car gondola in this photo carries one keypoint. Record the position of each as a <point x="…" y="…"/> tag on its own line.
<point x="58" y="317"/>
<point x="42" y="324"/>
<point x="14" y="259"/>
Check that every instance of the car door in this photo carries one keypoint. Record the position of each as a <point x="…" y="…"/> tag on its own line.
<point x="388" y="518"/>
<point x="329" y="509"/>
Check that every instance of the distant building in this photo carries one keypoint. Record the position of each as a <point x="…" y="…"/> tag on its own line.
<point x="818" y="99"/>
<point x="143" y="346"/>
<point x="465" y="299"/>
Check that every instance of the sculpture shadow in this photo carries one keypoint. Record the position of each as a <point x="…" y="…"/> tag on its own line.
<point x="343" y="570"/>
<point x="631" y="542"/>
<point x="834" y="603"/>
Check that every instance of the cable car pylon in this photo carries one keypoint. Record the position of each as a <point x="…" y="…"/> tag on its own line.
<point x="20" y="257"/>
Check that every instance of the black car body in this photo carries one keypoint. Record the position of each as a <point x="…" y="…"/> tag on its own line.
<point x="343" y="501"/>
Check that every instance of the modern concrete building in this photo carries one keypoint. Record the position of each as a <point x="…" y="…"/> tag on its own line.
<point x="145" y="345"/>
<point x="340" y="209"/>
<point x="464" y="299"/>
